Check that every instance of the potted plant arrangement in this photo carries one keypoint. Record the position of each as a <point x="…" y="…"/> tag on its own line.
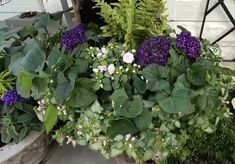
<point x="133" y="89"/>
<point x="23" y="139"/>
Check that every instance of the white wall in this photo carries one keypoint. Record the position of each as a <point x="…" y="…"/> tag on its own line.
<point x="16" y="7"/>
<point x="189" y="13"/>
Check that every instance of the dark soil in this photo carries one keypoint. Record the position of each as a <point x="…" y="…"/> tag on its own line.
<point x="1" y="144"/>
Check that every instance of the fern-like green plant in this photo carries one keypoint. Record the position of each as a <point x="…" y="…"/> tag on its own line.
<point x="6" y="82"/>
<point x="132" y="21"/>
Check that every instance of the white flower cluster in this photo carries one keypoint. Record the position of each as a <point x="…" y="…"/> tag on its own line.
<point x="62" y="110"/>
<point x="42" y="106"/>
<point x="110" y="69"/>
<point x="102" y="53"/>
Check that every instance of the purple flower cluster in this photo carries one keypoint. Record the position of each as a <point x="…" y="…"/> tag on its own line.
<point x="73" y="37"/>
<point x="153" y="50"/>
<point x="191" y="45"/>
<point x="11" y="98"/>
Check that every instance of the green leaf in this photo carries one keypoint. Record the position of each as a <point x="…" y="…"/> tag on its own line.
<point x="15" y="63"/>
<point x="107" y="86"/>
<point x="57" y="15"/>
<point x="90" y="35"/>
<point x="179" y="101"/>
<point x="82" y="66"/>
<point x="5" y="138"/>
<point x="148" y="154"/>
<point x="50" y="118"/>
<point x="43" y="21"/>
<point x="63" y="89"/>
<point x="96" y="107"/>
<point x="154" y="75"/>
<point x="14" y="49"/>
<point x="132" y="109"/>
<point x="197" y="75"/>
<point x="160" y="96"/>
<point x="159" y="85"/>
<point x="139" y="85"/>
<point x="121" y="127"/>
<point x="119" y="97"/>
<point x="54" y="56"/>
<point x="89" y="84"/>
<point x="5" y="33"/>
<point x="24" y="118"/>
<point x="209" y="100"/>
<point x="34" y="59"/>
<point x="24" y="84"/>
<point x="11" y="131"/>
<point x="182" y="28"/>
<point x="27" y="31"/>
<point x="155" y="71"/>
<point x="39" y="87"/>
<point x="81" y="98"/>
<point x="144" y="120"/>
<point x="23" y="133"/>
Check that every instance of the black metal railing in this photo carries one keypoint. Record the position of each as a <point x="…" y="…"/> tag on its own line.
<point x="228" y="13"/>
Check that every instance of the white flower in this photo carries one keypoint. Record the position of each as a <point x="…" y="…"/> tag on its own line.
<point x="128" y="57"/>
<point x="95" y="70"/>
<point x="99" y="55"/>
<point x="104" y="50"/>
<point x="102" y="68"/>
<point x="111" y="69"/>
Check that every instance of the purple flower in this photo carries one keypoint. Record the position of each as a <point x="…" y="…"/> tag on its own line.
<point x="191" y="45"/>
<point x="11" y="98"/>
<point x="73" y="37"/>
<point x="153" y="50"/>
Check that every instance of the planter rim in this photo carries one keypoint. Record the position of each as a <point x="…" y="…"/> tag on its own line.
<point x="12" y="149"/>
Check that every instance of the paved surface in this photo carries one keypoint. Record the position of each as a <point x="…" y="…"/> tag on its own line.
<point x="79" y="155"/>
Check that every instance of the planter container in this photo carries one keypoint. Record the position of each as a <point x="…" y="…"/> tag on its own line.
<point x="31" y="150"/>
<point x="123" y="159"/>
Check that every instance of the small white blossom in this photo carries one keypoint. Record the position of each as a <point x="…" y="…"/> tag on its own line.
<point x="127" y="137"/>
<point x="95" y="70"/>
<point x="104" y="50"/>
<point x="121" y="67"/>
<point x="133" y="139"/>
<point x="102" y="68"/>
<point x="128" y="58"/>
<point x="133" y="51"/>
<point x="111" y="69"/>
<point x="43" y="101"/>
<point x="69" y="139"/>
<point x="99" y="55"/>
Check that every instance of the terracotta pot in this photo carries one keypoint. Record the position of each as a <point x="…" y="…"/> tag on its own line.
<point x="31" y="150"/>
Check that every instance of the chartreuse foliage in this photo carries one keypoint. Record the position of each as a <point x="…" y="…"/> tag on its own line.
<point x="132" y="21"/>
